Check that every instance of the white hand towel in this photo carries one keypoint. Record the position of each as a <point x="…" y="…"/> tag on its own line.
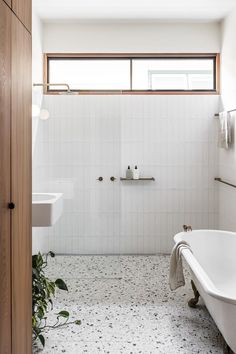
<point x="176" y="276"/>
<point x="224" y="140"/>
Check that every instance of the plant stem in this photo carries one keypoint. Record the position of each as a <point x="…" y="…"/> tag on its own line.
<point x="59" y="325"/>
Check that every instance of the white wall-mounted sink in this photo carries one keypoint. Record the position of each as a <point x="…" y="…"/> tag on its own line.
<point x="46" y="209"/>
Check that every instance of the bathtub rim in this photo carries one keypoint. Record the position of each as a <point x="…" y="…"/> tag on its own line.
<point x="207" y="285"/>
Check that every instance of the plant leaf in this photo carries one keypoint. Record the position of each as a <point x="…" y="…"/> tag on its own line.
<point x="40" y="313"/>
<point x="61" y="284"/>
<point x="64" y="314"/>
<point x="42" y="340"/>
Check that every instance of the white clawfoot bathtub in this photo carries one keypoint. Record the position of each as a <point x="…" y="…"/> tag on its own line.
<point x="213" y="267"/>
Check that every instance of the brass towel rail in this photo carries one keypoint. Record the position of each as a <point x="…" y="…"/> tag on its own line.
<point x="225" y="182"/>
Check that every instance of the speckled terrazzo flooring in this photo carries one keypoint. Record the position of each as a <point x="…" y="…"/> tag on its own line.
<point x="125" y="306"/>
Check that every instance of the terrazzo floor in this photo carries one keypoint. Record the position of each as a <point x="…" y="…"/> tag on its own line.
<point x="125" y="306"/>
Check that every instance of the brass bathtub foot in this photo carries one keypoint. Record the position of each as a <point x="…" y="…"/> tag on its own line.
<point x="226" y="348"/>
<point x="193" y="302"/>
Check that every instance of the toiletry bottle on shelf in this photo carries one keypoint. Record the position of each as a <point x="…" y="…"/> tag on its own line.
<point x="129" y="173"/>
<point x="136" y="173"/>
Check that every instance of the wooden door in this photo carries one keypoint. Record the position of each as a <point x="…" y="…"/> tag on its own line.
<point x="21" y="192"/>
<point x="23" y="10"/>
<point x="5" y="177"/>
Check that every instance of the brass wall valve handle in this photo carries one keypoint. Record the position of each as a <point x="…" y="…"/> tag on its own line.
<point x="187" y="228"/>
<point x="112" y="178"/>
<point x="100" y="179"/>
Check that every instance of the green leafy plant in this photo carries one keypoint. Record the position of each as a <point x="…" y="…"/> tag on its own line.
<point x="43" y="291"/>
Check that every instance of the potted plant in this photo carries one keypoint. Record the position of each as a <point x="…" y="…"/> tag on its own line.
<point x="43" y="291"/>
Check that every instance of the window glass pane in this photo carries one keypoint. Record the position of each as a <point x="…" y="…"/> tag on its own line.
<point x="173" y="74"/>
<point x="90" y="74"/>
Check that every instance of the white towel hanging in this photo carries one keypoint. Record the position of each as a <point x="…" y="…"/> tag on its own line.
<point x="225" y="138"/>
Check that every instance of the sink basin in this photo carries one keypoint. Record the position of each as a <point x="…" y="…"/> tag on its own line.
<point x="46" y="209"/>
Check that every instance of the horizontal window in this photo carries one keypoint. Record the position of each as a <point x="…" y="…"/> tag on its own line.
<point x="87" y="74"/>
<point x="132" y="73"/>
<point x="173" y="74"/>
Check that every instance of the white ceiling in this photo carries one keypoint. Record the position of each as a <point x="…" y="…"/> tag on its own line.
<point x="162" y="10"/>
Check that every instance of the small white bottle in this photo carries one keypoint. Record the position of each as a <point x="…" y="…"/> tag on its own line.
<point x="136" y="173"/>
<point x="129" y="173"/>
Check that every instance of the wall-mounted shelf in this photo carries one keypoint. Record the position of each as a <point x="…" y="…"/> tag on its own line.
<point x="140" y="179"/>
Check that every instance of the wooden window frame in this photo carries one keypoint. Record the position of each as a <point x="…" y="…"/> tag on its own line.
<point x="130" y="56"/>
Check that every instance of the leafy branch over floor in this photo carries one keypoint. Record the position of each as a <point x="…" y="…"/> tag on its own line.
<point x="43" y="291"/>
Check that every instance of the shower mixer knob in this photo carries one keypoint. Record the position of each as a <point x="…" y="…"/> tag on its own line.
<point x="112" y="178"/>
<point x="100" y="179"/>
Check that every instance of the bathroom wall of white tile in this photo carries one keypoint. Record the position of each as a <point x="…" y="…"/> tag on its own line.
<point x="172" y="138"/>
